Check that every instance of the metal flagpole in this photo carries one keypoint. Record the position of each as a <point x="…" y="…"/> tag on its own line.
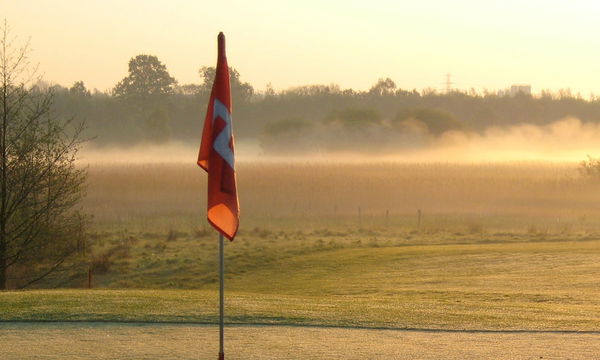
<point x="221" y="295"/>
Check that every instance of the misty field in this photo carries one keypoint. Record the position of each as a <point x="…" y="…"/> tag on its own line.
<point x="496" y="246"/>
<point x="303" y="196"/>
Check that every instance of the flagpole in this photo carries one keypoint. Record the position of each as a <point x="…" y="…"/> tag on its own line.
<point x="221" y="296"/>
<point x="216" y="149"/>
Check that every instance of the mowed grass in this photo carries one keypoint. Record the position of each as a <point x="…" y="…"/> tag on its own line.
<point x="503" y="286"/>
<point x="496" y="246"/>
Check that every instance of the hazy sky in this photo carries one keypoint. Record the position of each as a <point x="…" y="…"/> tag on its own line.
<point x="483" y="44"/>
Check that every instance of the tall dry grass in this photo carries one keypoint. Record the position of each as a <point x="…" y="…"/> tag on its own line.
<point x="309" y="192"/>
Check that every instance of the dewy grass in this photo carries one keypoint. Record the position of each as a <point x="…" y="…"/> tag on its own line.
<point x="519" y="286"/>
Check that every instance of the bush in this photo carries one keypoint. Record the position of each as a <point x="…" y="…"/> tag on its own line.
<point x="436" y="121"/>
<point x="286" y="135"/>
<point x="590" y="167"/>
<point x="286" y="126"/>
<point x="354" y="118"/>
<point x="158" y="129"/>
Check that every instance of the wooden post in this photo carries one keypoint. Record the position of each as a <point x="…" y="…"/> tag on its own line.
<point x="359" y="217"/>
<point x="387" y="217"/>
<point x="89" y="277"/>
<point x="419" y="218"/>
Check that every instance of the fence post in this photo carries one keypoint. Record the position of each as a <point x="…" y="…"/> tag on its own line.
<point x="359" y="217"/>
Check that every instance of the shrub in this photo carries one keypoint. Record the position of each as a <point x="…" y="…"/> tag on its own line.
<point x="590" y="167"/>
<point x="354" y="118"/>
<point x="437" y="121"/>
<point x="286" y="126"/>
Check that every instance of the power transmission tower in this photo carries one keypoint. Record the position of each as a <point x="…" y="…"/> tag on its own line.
<point x="449" y="83"/>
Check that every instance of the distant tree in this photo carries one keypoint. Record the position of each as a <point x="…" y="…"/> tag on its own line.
<point x="240" y="91"/>
<point x="269" y="91"/>
<point x="313" y="90"/>
<point x="436" y="121"/>
<point x="286" y="126"/>
<point x="383" y="87"/>
<point x="147" y="90"/>
<point x="352" y="118"/>
<point x="148" y="80"/>
<point x="78" y="89"/>
<point x="40" y="186"/>
<point x="158" y="128"/>
<point x="188" y="89"/>
<point x="286" y="135"/>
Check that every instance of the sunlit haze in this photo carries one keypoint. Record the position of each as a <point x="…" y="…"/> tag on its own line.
<point x="482" y="44"/>
<point x="566" y="140"/>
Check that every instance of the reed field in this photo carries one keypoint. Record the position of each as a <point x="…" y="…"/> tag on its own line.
<point x="501" y="246"/>
<point x="308" y="196"/>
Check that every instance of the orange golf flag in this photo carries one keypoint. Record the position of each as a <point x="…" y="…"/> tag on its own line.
<point x="216" y="152"/>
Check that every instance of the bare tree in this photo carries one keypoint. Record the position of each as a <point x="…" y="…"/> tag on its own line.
<point x="40" y="185"/>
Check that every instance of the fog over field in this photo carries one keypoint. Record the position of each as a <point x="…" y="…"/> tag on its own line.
<point x="566" y="140"/>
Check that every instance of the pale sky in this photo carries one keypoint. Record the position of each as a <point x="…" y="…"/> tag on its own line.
<point x="484" y="44"/>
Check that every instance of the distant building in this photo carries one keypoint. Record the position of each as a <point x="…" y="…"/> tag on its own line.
<point x="524" y="89"/>
<point x="516" y="89"/>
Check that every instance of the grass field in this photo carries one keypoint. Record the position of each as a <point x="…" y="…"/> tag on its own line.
<point x="536" y="285"/>
<point x="504" y="246"/>
<point x="86" y="341"/>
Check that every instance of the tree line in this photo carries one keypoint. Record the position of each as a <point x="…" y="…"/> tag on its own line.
<point x="150" y="106"/>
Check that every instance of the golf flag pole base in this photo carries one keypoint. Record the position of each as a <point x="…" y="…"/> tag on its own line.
<point x="221" y="296"/>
